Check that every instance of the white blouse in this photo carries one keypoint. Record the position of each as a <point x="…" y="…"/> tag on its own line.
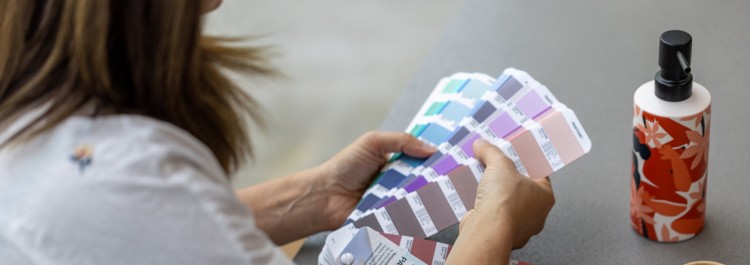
<point x="122" y="189"/>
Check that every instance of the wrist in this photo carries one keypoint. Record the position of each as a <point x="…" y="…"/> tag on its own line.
<point x="340" y="197"/>
<point x="486" y="237"/>
<point x="327" y="211"/>
<point x="317" y="197"/>
<point x="495" y="223"/>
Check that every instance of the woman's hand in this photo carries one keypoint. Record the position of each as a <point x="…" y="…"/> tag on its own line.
<point x="346" y="176"/>
<point x="523" y="202"/>
<point x="510" y="208"/>
<point x="320" y="198"/>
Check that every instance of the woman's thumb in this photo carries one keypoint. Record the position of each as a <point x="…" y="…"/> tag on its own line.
<point x="490" y="155"/>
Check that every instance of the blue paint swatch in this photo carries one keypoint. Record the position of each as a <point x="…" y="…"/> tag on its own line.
<point x="435" y="134"/>
<point x="412" y="161"/>
<point x="474" y="89"/>
<point x="391" y="178"/>
<point x="455" y="111"/>
<point x="367" y="202"/>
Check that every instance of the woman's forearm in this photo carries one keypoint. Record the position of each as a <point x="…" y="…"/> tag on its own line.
<point x="288" y="208"/>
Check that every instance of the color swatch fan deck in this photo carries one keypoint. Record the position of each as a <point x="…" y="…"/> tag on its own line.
<point x="418" y="197"/>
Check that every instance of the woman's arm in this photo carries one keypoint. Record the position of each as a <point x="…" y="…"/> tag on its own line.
<point x="321" y="198"/>
<point x="290" y="207"/>
<point x="509" y="209"/>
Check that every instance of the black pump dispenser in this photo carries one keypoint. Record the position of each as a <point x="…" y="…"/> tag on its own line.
<point x="674" y="82"/>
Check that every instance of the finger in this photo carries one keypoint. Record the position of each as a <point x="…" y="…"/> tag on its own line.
<point x="393" y="142"/>
<point x="491" y="156"/>
<point x="545" y="183"/>
<point x="521" y="244"/>
<point x="545" y="180"/>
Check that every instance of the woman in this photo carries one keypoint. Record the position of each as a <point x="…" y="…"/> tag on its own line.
<point x="118" y="131"/>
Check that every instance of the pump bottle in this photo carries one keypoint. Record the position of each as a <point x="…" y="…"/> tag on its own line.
<point x="671" y="131"/>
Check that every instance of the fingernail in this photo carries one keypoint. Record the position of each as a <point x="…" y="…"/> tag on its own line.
<point x="481" y="141"/>
<point x="428" y="147"/>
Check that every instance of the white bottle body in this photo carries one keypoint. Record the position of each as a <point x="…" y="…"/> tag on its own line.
<point x="670" y="158"/>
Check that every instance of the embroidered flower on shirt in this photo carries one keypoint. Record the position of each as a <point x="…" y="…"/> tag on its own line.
<point x="83" y="156"/>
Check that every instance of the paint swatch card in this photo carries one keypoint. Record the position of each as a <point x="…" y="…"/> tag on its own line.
<point x="517" y="114"/>
<point x="335" y="243"/>
<point x="349" y="245"/>
<point x="367" y="246"/>
<point x="428" y="251"/>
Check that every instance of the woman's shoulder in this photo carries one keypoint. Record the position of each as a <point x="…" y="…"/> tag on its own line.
<point x="143" y="136"/>
<point x="120" y="185"/>
<point x="85" y="154"/>
<point x="118" y="143"/>
<point x="115" y="149"/>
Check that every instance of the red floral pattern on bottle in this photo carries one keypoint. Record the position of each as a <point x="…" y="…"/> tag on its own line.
<point x="652" y="133"/>
<point x="670" y="157"/>
<point x="699" y="149"/>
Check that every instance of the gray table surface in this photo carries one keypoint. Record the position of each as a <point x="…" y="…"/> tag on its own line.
<point x="593" y="55"/>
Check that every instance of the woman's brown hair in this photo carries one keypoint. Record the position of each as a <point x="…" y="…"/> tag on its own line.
<point x="125" y="56"/>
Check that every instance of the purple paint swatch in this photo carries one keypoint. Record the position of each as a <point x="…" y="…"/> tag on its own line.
<point x="510" y="88"/>
<point x="468" y="145"/>
<point x="532" y="104"/>
<point x="483" y="112"/>
<point x="503" y="125"/>
<point x="445" y="165"/>
<point x="415" y="184"/>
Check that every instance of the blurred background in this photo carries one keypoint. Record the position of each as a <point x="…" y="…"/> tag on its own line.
<point x="345" y="63"/>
